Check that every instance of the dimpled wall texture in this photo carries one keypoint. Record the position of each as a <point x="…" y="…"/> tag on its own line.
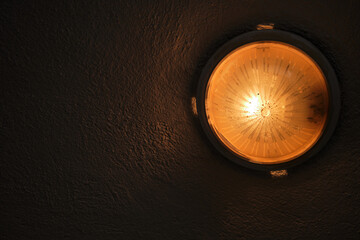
<point x="99" y="141"/>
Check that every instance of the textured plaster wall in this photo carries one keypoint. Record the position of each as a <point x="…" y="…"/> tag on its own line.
<point x="98" y="138"/>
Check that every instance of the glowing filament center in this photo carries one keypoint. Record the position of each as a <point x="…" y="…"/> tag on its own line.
<point x="253" y="106"/>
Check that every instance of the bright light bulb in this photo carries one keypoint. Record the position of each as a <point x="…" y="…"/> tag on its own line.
<point x="252" y="107"/>
<point x="267" y="102"/>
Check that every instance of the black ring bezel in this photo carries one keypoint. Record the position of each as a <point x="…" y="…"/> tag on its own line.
<point x="288" y="38"/>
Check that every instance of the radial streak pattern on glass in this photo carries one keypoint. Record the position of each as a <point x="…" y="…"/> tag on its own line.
<point x="267" y="102"/>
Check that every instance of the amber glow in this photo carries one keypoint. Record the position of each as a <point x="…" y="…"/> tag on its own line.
<point x="267" y="102"/>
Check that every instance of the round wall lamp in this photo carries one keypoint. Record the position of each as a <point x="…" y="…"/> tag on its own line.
<point x="268" y="100"/>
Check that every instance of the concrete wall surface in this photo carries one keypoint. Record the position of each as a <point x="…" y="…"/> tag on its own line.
<point x="99" y="141"/>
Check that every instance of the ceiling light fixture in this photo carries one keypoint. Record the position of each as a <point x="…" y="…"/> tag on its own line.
<point x="268" y="100"/>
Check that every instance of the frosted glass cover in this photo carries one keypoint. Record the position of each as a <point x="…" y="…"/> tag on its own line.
<point x="267" y="102"/>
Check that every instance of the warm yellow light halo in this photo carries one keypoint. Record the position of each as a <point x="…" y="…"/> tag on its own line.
<point x="267" y="102"/>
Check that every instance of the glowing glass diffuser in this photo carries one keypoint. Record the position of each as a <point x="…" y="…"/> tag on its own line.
<point x="266" y="102"/>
